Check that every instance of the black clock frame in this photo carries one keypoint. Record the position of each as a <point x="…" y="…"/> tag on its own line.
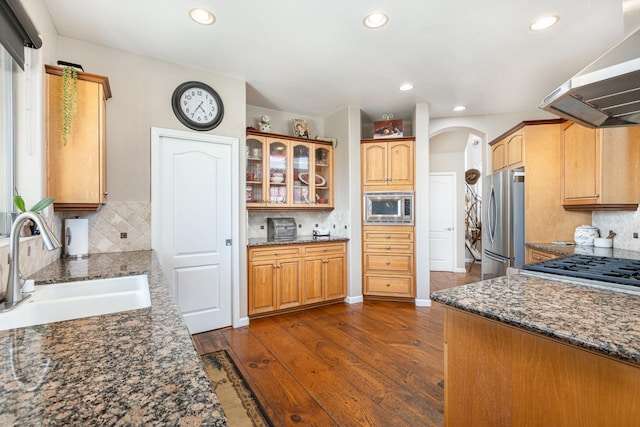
<point x="184" y="119"/>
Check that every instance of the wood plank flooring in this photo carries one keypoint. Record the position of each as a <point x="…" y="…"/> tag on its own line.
<point x="376" y="363"/>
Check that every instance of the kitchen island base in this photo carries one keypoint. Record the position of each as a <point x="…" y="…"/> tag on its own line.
<point x="497" y="374"/>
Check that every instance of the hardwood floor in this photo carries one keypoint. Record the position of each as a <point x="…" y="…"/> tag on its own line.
<point x="376" y="363"/>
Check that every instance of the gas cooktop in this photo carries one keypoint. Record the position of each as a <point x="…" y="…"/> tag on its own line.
<point x="612" y="270"/>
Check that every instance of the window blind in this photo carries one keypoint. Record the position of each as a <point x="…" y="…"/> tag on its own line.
<point x="17" y="30"/>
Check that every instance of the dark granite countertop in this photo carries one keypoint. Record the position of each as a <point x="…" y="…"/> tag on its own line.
<point x="297" y="240"/>
<point x="585" y="250"/>
<point x="138" y="367"/>
<point x="600" y="320"/>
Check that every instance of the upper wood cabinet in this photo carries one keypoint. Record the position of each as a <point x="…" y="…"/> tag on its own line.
<point x="547" y="220"/>
<point x="600" y="168"/>
<point x="288" y="173"/>
<point x="387" y="164"/>
<point x="508" y="152"/>
<point x="76" y="173"/>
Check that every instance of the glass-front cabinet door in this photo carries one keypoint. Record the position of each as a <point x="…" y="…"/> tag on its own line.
<point x="289" y="173"/>
<point x="278" y="175"/>
<point x="301" y="161"/>
<point x="255" y="182"/>
<point x="323" y="171"/>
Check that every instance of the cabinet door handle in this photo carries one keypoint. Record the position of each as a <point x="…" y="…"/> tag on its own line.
<point x="106" y="193"/>
<point x="275" y="265"/>
<point x="388" y="262"/>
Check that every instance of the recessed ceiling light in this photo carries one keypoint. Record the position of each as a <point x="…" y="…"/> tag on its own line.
<point x="405" y="87"/>
<point x="202" y="16"/>
<point x="543" y="23"/>
<point x="459" y="108"/>
<point x="375" y="20"/>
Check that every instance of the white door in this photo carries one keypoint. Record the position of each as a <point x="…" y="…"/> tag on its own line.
<point x="191" y="218"/>
<point x="441" y="221"/>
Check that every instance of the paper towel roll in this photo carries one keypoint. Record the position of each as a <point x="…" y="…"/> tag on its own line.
<point x="76" y="237"/>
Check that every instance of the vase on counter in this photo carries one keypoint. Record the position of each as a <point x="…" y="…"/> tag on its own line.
<point x="585" y="234"/>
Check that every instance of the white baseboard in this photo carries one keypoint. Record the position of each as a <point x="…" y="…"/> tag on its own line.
<point x="423" y="302"/>
<point x="243" y="321"/>
<point x="354" y="300"/>
<point x="459" y="270"/>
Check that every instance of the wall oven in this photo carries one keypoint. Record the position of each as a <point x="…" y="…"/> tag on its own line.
<point x="388" y="208"/>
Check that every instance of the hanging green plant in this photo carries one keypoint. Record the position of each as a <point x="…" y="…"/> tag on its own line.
<point x="69" y="100"/>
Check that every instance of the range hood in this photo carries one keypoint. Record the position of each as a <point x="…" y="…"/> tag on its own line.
<point x="604" y="94"/>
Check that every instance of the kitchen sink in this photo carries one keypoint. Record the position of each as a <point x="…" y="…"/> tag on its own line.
<point x="74" y="300"/>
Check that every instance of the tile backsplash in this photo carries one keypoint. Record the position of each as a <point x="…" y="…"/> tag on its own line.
<point x="624" y="223"/>
<point x="336" y="222"/>
<point x="115" y="220"/>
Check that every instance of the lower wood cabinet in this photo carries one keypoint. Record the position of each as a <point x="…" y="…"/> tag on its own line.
<point x="282" y="277"/>
<point x="388" y="261"/>
<point x="533" y="255"/>
<point x="498" y="375"/>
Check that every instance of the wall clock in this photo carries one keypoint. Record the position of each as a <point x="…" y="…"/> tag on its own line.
<point x="197" y="106"/>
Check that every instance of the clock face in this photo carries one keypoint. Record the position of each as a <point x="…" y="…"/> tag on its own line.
<point x="197" y="106"/>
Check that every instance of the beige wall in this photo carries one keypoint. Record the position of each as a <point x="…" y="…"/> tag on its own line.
<point x="142" y="89"/>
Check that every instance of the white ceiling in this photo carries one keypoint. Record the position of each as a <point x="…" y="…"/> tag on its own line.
<point x="313" y="58"/>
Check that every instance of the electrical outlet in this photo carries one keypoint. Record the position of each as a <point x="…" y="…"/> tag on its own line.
<point x="334" y="226"/>
<point x="299" y="225"/>
<point x="316" y="225"/>
<point x="635" y="235"/>
<point x="262" y="227"/>
<point x="123" y="235"/>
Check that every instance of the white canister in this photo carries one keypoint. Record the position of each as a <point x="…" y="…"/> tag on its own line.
<point x="585" y="235"/>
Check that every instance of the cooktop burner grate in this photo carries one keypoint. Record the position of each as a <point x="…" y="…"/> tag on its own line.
<point x="613" y="270"/>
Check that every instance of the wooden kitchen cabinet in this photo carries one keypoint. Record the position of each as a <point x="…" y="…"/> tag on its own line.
<point x="499" y="156"/>
<point x="285" y="277"/>
<point x="540" y="142"/>
<point x="600" y="168"/>
<point x="500" y="375"/>
<point x="325" y="272"/>
<point x="388" y="261"/>
<point x="288" y="173"/>
<point x="533" y="255"/>
<point x="508" y="152"/>
<point x="76" y="173"/>
<point x="274" y="278"/>
<point x="387" y="165"/>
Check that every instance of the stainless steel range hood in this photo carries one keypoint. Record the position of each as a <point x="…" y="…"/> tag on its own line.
<point x="606" y="93"/>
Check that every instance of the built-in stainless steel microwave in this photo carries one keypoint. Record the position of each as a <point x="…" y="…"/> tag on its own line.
<point x="394" y="207"/>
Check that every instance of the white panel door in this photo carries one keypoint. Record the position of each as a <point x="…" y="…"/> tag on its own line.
<point x="192" y="223"/>
<point x="441" y="221"/>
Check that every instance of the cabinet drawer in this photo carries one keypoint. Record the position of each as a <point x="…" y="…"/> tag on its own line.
<point x="401" y="286"/>
<point x="335" y="248"/>
<point x="535" y="255"/>
<point x="274" y="252"/>
<point x="388" y="236"/>
<point x="390" y="247"/>
<point x="398" y="264"/>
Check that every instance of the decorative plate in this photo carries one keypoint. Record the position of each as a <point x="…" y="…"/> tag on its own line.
<point x="304" y="178"/>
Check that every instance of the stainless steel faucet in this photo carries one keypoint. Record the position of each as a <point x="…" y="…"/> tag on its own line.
<point x="14" y="294"/>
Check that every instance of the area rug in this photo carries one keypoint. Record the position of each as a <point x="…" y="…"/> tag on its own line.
<point x="238" y="401"/>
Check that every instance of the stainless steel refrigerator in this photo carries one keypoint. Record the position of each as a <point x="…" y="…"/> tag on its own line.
<point x="503" y="222"/>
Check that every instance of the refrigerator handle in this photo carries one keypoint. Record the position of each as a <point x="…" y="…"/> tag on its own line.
<point x="501" y="259"/>
<point x="491" y="215"/>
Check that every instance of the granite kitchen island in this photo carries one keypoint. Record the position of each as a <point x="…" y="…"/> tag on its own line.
<point x="137" y="367"/>
<point x="525" y="350"/>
